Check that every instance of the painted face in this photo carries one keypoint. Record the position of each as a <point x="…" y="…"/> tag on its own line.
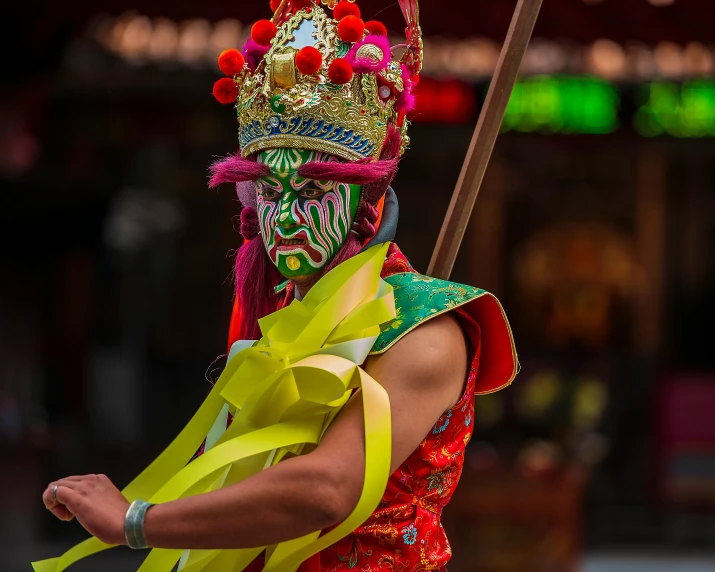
<point x="303" y="222"/>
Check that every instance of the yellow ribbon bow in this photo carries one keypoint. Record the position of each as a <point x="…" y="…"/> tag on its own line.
<point x="283" y="391"/>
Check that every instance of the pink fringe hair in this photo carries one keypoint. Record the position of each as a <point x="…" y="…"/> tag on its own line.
<point x="356" y="173"/>
<point x="236" y="169"/>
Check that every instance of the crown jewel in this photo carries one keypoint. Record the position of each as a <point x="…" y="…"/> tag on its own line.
<point x="324" y="84"/>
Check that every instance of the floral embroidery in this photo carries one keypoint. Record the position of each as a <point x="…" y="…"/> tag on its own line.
<point x="351" y="558"/>
<point x="440" y="428"/>
<point x="436" y="482"/>
<point x="383" y="533"/>
<point x="419" y="298"/>
<point x="409" y="534"/>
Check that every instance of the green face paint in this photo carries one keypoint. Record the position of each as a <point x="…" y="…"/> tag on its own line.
<point x="303" y="222"/>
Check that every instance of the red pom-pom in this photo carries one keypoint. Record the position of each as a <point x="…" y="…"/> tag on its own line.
<point x="375" y="27"/>
<point x="340" y="71"/>
<point x="345" y="9"/>
<point x="275" y="4"/>
<point x="231" y="62"/>
<point x="300" y="4"/>
<point x="263" y="32"/>
<point x="308" y="60"/>
<point x="225" y="90"/>
<point x="351" y="29"/>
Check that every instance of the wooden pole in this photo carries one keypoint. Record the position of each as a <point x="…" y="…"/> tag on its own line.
<point x="484" y="138"/>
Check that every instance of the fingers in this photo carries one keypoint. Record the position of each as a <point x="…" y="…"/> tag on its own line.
<point x="67" y="495"/>
<point x="69" y="498"/>
<point x="61" y="495"/>
<point x="62" y="512"/>
<point x="68" y="484"/>
<point x="48" y="499"/>
<point x="56" y="507"/>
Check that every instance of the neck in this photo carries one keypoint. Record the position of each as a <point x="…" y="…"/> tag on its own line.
<point x="303" y="284"/>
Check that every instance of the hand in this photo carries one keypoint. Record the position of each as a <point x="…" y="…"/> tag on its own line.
<point x="96" y="503"/>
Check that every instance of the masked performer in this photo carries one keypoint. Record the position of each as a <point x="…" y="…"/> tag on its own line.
<point x="322" y="102"/>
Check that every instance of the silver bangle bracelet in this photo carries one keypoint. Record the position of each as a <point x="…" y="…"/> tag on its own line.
<point x="134" y="524"/>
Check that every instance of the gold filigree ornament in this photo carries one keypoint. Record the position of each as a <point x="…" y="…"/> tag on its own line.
<point x="333" y="3"/>
<point x="278" y="106"/>
<point x="371" y="52"/>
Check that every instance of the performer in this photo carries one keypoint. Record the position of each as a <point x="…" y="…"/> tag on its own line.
<point x="322" y="107"/>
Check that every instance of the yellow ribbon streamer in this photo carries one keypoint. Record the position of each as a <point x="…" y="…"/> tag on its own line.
<point x="284" y="391"/>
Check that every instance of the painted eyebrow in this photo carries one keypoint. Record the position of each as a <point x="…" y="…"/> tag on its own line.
<point x="236" y="169"/>
<point x="359" y="172"/>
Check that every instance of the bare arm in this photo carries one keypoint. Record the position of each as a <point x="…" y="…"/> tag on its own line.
<point x="423" y="374"/>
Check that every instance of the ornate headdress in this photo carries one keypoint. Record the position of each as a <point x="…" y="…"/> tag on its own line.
<point x="324" y="83"/>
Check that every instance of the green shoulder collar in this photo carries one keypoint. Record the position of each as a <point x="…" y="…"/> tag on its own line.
<point x="419" y="298"/>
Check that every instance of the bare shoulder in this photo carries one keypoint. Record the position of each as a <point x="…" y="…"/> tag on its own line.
<point x="433" y="356"/>
<point x="423" y="374"/>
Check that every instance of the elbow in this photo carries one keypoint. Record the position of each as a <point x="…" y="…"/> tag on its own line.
<point x="335" y="498"/>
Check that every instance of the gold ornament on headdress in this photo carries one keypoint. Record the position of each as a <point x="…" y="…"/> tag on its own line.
<point x="333" y="3"/>
<point x="278" y="106"/>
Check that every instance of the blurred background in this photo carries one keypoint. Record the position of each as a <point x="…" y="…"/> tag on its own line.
<point x="595" y="227"/>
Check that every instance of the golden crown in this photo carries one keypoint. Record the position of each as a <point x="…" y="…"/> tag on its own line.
<point x="322" y="83"/>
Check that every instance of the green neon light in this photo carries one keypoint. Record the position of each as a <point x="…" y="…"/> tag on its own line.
<point x="680" y="111"/>
<point x="562" y="104"/>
